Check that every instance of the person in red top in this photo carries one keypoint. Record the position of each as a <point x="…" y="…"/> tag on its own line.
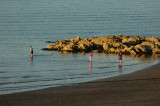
<point x="90" y="56"/>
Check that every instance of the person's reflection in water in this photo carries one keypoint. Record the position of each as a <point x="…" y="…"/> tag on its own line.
<point x="31" y="60"/>
<point x="120" y="67"/>
<point x="90" y="66"/>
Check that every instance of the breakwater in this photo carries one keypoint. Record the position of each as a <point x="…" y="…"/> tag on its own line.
<point x="110" y="44"/>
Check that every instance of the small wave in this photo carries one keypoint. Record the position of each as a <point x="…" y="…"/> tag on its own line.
<point x="104" y="67"/>
<point x="4" y="77"/>
<point x="2" y="72"/>
<point x="40" y="55"/>
<point x="30" y="76"/>
<point x="133" y="65"/>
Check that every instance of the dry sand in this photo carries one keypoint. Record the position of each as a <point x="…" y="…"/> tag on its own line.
<point x="141" y="88"/>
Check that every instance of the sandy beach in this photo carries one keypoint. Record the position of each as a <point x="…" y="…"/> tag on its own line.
<point x="140" y="88"/>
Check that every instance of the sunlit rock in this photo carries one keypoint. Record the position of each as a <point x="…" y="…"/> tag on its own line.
<point x="109" y="44"/>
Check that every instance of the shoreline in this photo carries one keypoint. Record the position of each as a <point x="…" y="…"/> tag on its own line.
<point x="137" y="88"/>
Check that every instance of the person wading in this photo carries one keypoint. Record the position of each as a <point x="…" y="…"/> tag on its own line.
<point x="31" y="51"/>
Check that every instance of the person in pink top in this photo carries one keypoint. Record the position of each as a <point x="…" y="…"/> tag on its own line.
<point x="90" y="56"/>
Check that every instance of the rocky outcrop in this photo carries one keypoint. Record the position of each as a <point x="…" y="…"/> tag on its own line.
<point x="109" y="44"/>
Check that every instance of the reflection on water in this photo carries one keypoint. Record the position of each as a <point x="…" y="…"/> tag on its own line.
<point x="31" y="60"/>
<point x="90" y="66"/>
<point x="155" y="55"/>
<point x="139" y="57"/>
<point x="144" y="57"/>
<point x="120" y="67"/>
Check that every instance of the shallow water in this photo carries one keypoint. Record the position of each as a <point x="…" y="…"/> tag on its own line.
<point x="24" y="23"/>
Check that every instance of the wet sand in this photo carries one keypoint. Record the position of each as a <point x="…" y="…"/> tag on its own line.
<point x="141" y="88"/>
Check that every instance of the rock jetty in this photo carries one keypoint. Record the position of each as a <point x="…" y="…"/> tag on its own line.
<point x="109" y="44"/>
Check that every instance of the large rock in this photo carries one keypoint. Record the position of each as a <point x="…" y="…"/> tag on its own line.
<point x="127" y="50"/>
<point x="83" y="47"/>
<point x="61" y="44"/>
<point x="74" y="40"/>
<point x="112" y="50"/>
<point x="86" y="42"/>
<point x="122" y="36"/>
<point x="118" y="51"/>
<point x="152" y="39"/>
<point x="77" y="38"/>
<point x="156" y="51"/>
<point x="149" y="46"/>
<point x="117" y="45"/>
<point x="69" y="47"/>
<point x="157" y="43"/>
<point x="140" y="48"/>
<point x="131" y="41"/>
<point x="97" y="41"/>
<point x="133" y="52"/>
<point x="125" y="40"/>
<point x="106" y="46"/>
<point x="52" y="47"/>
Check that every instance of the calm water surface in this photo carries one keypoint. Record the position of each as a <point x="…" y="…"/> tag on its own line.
<point x="32" y="22"/>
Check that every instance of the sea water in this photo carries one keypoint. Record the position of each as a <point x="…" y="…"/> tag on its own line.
<point x="25" y="23"/>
